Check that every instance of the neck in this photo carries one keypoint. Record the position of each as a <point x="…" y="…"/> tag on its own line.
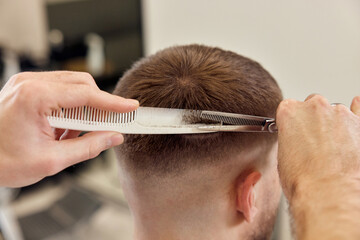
<point x="193" y="206"/>
<point x="198" y="204"/>
<point x="169" y="219"/>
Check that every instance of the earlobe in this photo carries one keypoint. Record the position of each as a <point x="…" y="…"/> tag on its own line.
<point x="246" y="194"/>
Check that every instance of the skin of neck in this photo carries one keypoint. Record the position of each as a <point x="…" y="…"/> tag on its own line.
<point x="202" y="203"/>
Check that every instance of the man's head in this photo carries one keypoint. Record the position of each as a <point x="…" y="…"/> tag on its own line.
<point x="204" y="181"/>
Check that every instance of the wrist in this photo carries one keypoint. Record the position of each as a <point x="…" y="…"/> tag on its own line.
<point x="321" y="205"/>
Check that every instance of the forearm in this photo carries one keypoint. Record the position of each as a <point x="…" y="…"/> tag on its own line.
<point x="327" y="209"/>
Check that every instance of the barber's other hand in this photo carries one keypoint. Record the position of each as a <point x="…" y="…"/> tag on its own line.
<point x="319" y="167"/>
<point x="317" y="142"/>
<point x="29" y="148"/>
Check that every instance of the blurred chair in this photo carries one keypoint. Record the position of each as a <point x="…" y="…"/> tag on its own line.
<point x="8" y="222"/>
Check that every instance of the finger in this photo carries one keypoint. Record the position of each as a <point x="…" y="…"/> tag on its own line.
<point x="355" y="105"/>
<point x="69" y="134"/>
<point x="59" y="76"/>
<point x="90" y="145"/>
<point x="311" y="96"/>
<point x="67" y="96"/>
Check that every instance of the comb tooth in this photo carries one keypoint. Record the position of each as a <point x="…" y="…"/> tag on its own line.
<point x="88" y="116"/>
<point x="99" y="116"/>
<point x="85" y="113"/>
<point x="91" y="114"/>
<point x="96" y="115"/>
<point x="77" y="113"/>
<point x="82" y="114"/>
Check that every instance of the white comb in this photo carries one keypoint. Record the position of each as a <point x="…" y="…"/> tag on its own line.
<point x="148" y="120"/>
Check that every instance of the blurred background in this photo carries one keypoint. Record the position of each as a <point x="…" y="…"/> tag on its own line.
<point x="309" y="46"/>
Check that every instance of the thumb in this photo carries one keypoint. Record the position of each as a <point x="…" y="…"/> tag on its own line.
<point x="90" y="145"/>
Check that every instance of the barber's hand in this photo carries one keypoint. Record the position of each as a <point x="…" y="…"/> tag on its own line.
<point x="319" y="166"/>
<point x="29" y="148"/>
<point x="317" y="141"/>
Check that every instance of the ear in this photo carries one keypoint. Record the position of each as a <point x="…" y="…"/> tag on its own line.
<point x="245" y="201"/>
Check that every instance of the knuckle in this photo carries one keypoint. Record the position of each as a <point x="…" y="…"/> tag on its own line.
<point x="319" y="100"/>
<point x="93" y="151"/>
<point x="87" y="77"/>
<point x="19" y="77"/>
<point x="286" y="106"/>
<point x="340" y="108"/>
<point x="25" y="90"/>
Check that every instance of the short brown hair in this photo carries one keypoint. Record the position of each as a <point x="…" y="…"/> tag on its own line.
<point x="202" y="78"/>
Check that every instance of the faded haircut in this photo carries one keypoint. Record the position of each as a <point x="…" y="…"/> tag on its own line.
<point x="201" y="78"/>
